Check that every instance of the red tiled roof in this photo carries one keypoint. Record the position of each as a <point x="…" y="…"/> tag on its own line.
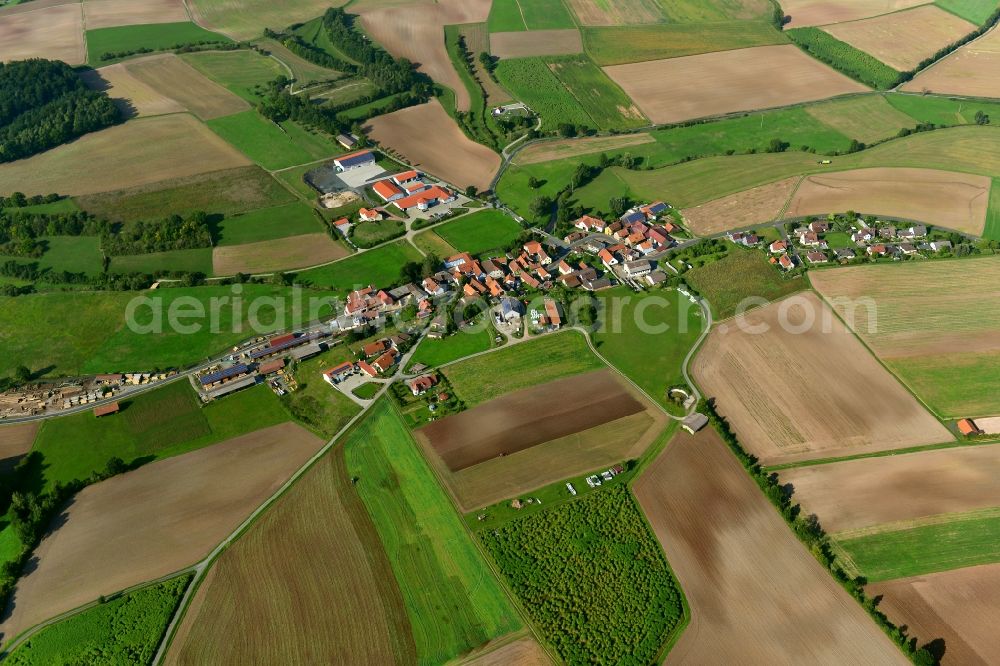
<point x="386" y="189"/>
<point x="104" y="410"/>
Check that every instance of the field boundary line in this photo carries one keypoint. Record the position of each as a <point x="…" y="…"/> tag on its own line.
<point x="788" y="201"/>
<point x="915" y="523"/>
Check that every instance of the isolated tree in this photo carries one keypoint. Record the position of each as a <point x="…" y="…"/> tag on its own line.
<point x="540" y="206"/>
<point x="534" y="183"/>
<point x="471" y="191"/>
<point x="566" y="130"/>
<point x="22" y="375"/>
<point x="982" y="118"/>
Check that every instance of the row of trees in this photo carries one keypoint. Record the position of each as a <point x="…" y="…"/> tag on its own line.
<point x="172" y="233"/>
<point x="43" y="103"/>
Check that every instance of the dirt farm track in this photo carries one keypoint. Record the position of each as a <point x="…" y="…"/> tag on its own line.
<point x="756" y="594"/>
<point x="154" y="521"/>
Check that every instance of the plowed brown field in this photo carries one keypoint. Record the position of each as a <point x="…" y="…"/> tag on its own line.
<point x="711" y="84"/>
<point x="971" y="70"/>
<point x="958" y="606"/>
<point x="54" y="32"/>
<point x="281" y="254"/>
<point x="955" y="200"/>
<point x="796" y="384"/>
<point x="522" y="652"/>
<point x="863" y="493"/>
<point x="429" y="139"/>
<point x="756" y="594"/>
<point x="110" y="13"/>
<point x="822" y="12"/>
<point x="743" y="209"/>
<point x="154" y="521"/>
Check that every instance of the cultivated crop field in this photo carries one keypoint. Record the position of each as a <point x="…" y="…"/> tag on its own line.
<point x="567" y="148"/>
<point x="711" y="84"/>
<point x="792" y="391"/>
<point x="110" y="13"/>
<point x="756" y="594"/>
<point x="942" y="342"/>
<point x="103" y="42"/>
<point x="531" y="80"/>
<point x="535" y="43"/>
<point x="857" y="64"/>
<point x="867" y="118"/>
<point x="743" y="209"/>
<point x="378" y="267"/>
<point x="140" y="152"/>
<point x="904" y="39"/>
<point x="636" y="43"/>
<point x="596" y="12"/>
<point x="271" y="146"/>
<point x="247" y="19"/>
<point x="177" y="80"/>
<point x="267" y="224"/>
<point x="737" y="276"/>
<point x="451" y="597"/>
<point x="278" y="575"/>
<point x="969" y="71"/>
<point x="451" y="156"/>
<point x="953" y="200"/>
<point x="599" y="97"/>
<point x="239" y="71"/>
<point x="154" y="521"/>
<point x="519" y="15"/>
<point x="958" y="606"/>
<point x="132" y="96"/>
<point x="277" y="254"/>
<point x="823" y="12"/>
<point x="54" y="32"/>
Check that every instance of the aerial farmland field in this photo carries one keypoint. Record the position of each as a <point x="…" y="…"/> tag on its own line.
<point x="740" y="275"/>
<point x="535" y="43"/>
<point x="968" y="71"/>
<point x="867" y="118"/>
<point x="266" y="256"/>
<point x="823" y="12"/>
<point x="47" y="32"/>
<point x="756" y="205"/>
<point x="754" y="591"/>
<point x="636" y="43"/>
<point x="785" y="377"/>
<point x="132" y="96"/>
<point x="380" y="266"/>
<point x="104" y="43"/>
<point x="177" y="80"/>
<point x="110" y="13"/>
<point x="248" y="18"/>
<point x="480" y="232"/>
<point x="942" y="343"/>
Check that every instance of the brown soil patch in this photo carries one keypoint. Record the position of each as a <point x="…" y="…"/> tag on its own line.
<point x="989" y="425"/>
<point x="535" y="43"/>
<point x="620" y="12"/>
<point x="971" y="70"/>
<point x="281" y="254"/>
<point x="54" y="32"/>
<point x="154" y="521"/>
<point x="429" y="139"/>
<point x="522" y="419"/>
<point x="15" y="441"/>
<point x="279" y="575"/>
<point x="743" y="209"/>
<point x="796" y="385"/>
<point x="871" y="491"/>
<point x="32" y="6"/>
<point x="180" y="81"/>
<point x="139" y="152"/>
<point x="903" y="40"/>
<point x="416" y="31"/>
<point x="959" y="606"/>
<point x="524" y="651"/>
<point x="954" y="200"/>
<point x="563" y="148"/>
<point x="822" y="12"/>
<point x="711" y="84"/>
<point x="111" y="13"/>
<point x="756" y="594"/>
<point x="132" y="96"/>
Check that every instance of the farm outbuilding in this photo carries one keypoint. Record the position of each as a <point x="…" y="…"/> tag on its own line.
<point x="105" y="410"/>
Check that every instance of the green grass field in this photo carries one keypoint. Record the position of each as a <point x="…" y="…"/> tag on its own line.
<point x="239" y="71"/>
<point x="76" y="254"/>
<point x="379" y="267"/>
<point x="599" y="96"/>
<point x="303" y="70"/>
<point x="198" y="260"/>
<point x="524" y="365"/>
<point x="316" y="404"/>
<point x="65" y="205"/>
<point x="976" y="11"/>
<point x="956" y="384"/>
<point x="480" y="232"/>
<point x="159" y="424"/>
<point x="294" y="179"/>
<point x="531" y="81"/>
<point x="741" y="274"/>
<point x="124" y="630"/>
<point x="616" y="45"/>
<point x="942" y="110"/>
<point x="505" y="16"/>
<point x="672" y="325"/>
<point x="268" y="223"/>
<point x="453" y="600"/>
<point x="221" y="192"/>
<point x="964" y="542"/>
<point x="370" y="234"/>
<point x="159" y="37"/>
<point x="265" y="143"/>
<point x="698" y="11"/>
<point x="853" y="62"/>
<point x="992" y="228"/>
<point x="431" y="243"/>
<point x="867" y="118"/>
<point x="517" y="15"/>
<point x="436" y="352"/>
<point x="367" y="391"/>
<point x="592" y="577"/>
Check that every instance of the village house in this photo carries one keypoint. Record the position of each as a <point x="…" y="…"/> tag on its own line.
<point x="422" y="384"/>
<point x="511" y="309"/>
<point x="907" y="248"/>
<point x="342" y="226"/>
<point x="937" y="246"/>
<point x="338" y="373"/>
<point x="424" y="199"/>
<point x="819" y="227"/>
<point x="778" y="246"/>
<point x="878" y="250"/>
<point x="811" y="239"/>
<point x="846" y="253"/>
<point x="654" y="210"/>
<point x="787" y="262"/>
<point x="406" y="177"/>
<point x="863" y="236"/>
<point x="356" y="160"/>
<point x="744" y="239"/>
<point x="348" y="141"/>
<point x="388" y="190"/>
<point x="638" y="269"/>
<point x="552" y="316"/>
<point x="535" y="251"/>
<point x="376" y="348"/>
<point x="370" y="214"/>
<point x="590" y="224"/>
<point x="816" y="257"/>
<point x="632" y="216"/>
<point x="913" y="232"/>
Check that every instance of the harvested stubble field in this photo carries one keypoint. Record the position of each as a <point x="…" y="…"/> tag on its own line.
<point x="535" y="43"/>
<point x="247" y="19"/>
<point x="755" y="592"/>
<point x="867" y="118"/>
<point x="942" y="341"/>
<point x="566" y="148"/>
<point x="111" y="13"/>
<point x="743" y="209"/>
<point x="823" y="12"/>
<point x="796" y="384"/>
<point x="957" y="606"/>
<point x="525" y="418"/>
<point x="524" y="651"/>
<point x="953" y="200"/>
<point x="857" y="494"/>
<point x="132" y="96"/>
<point x="635" y="43"/>
<point x="451" y="155"/>
<point x="904" y="39"/>
<point x="279" y="254"/>
<point x="278" y="575"/>
<point x="54" y="32"/>
<point x="710" y="84"/>
<point x="970" y="71"/>
<point x="416" y="31"/>
<point x="15" y="441"/>
<point x="154" y="521"/>
<point x="626" y="12"/>
<point x="140" y="152"/>
<point x="179" y="81"/>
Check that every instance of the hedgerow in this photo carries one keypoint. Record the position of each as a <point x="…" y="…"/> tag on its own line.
<point x="842" y="56"/>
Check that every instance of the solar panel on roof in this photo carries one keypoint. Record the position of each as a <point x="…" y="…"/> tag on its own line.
<point x="219" y="375"/>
